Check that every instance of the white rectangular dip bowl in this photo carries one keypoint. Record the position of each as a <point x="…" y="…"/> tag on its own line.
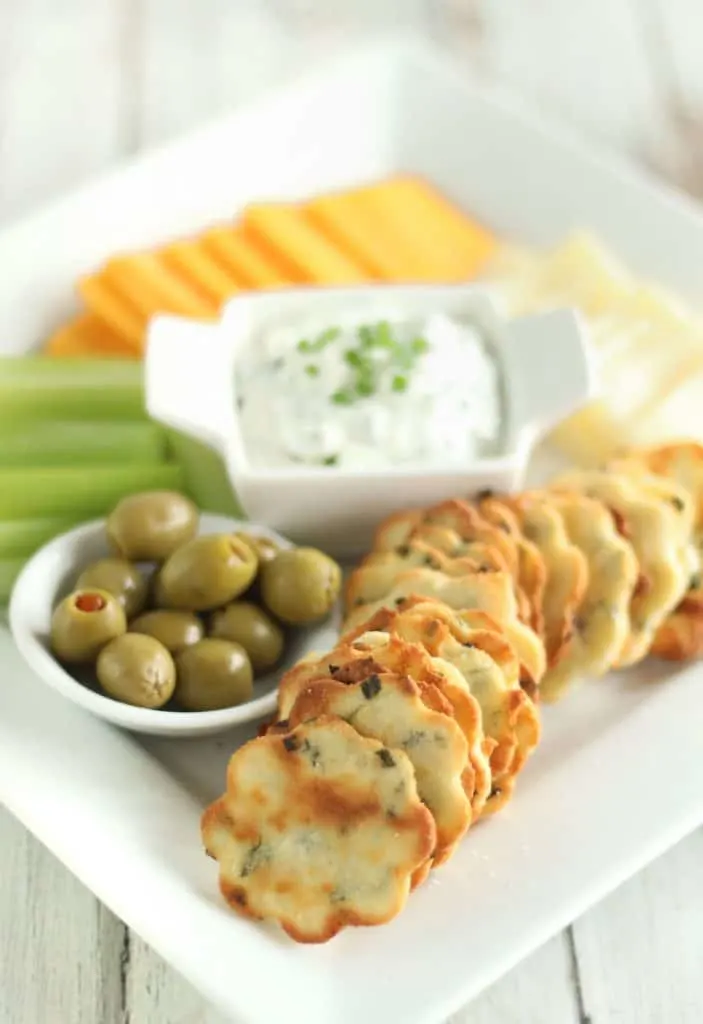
<point x="190" y="373"/>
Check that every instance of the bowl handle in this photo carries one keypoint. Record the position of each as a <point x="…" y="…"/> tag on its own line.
<point x="189" y="375"/>
<point x="550" y="366"/>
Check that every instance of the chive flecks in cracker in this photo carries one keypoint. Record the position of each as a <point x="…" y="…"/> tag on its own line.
<point x="371" y="687"/>
<point x="385" y="757"/>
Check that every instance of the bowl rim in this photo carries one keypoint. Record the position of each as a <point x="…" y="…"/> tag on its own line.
<point x="127" y="716"/>
<point x="479" y="310"/>
<point x="173" y="400"/>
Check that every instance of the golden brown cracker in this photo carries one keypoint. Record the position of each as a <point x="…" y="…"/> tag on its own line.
<point x="652" y="527"/>
<point x="680" y="637"/>
<point x="388" y="707"/>
<point x="509" y="717"/>
<point x="491" y="593"/>
<point x="378" y="571"/>
<point x="447" y="540"/>
<point x="565" y="565"/>
<point x="319" y="829"/>
<point x="455" y="514"/>
<point x="602" y="623"/>
<point x="532" y="574"/>
<point x="356" y="657"/>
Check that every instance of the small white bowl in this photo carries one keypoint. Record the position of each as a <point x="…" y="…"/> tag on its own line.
<point x="50" y="574"/>
<point x="190" y="371"/>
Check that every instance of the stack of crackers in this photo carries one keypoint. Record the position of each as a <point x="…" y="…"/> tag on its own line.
<point x="463" y="617"/>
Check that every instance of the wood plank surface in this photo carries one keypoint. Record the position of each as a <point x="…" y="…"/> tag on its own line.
<point x="60" y="950"/>
<point x="540" y="990"/>
<point x="61" y="122"/>
<point x="61" y="87"/>
<point x="640" y="952"/>
<point x="87" y="82"/>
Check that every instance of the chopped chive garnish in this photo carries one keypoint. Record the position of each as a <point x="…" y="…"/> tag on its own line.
<point x="377" y="357"/>
<point x="343" y="397"/>
<point x="384" y="335"/>
<point x="331" y="334"/>
<point x="404" y="359"/>
<point x="366" y="336"/>
<point x="321" y="341"/>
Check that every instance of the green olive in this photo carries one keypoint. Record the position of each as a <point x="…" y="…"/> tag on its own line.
<point x="264" y="548"/>
<point x="300" y="585"/>
<point x="120" y="578"/>
<point x="152" y="600"/>
<point x="150" y="526"/>
<point x="137" y="670"/>
<point x="250" y="626"/>
<point x="205" y="573"/>
<point x="175" y="630"/>
<point x="84" y="622"/>
<point x="213" y="674"/>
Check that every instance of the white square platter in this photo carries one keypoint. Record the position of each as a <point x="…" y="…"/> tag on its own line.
<point x="619" y="775"/>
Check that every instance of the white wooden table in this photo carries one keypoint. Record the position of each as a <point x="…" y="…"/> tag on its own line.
<point x="84" y="83"/>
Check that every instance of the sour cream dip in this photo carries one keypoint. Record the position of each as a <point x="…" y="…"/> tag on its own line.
<point x="370" y="395"/>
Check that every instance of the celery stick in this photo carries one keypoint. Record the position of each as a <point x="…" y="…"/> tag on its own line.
<point x="75" y="443"/>
<point x="82" y="492"/>
<point x="20" y="537"/>
<point x="39" y="368"/>
<point x="40" y="387"/>
<point x="9" y="571"/>
<point x="205" y="476"/>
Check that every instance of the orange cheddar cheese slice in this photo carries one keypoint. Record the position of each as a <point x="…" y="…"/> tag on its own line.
<point x="194" y="266"/>
<point x="147" y="283"/>
<point x="355" y="229"/>
<point x="109" y="306"/>
<point x="300" y="247"/>
<point x="244" y="259"/>
<point x="448" y="245"/>
<point x="87" y="335"/>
